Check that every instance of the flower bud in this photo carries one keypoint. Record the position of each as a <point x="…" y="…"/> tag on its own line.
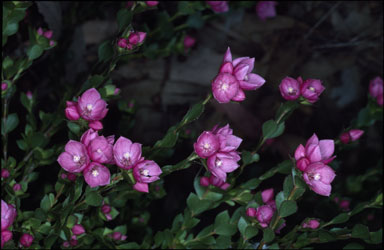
<point x="78" y="229"/>
<point x="251" y="212"/>
<point x="4" y="173"/>
<point x="122" y="43"/>
<point x="189" y="41"/>
<point x="116" y="91"/>
<point x="63" y="176"/>
<point x="4" y="86"/>
<point x="105" y="209"/>
<point x="16" y="187"/>
<point x="218" y="6"/>
<point x="71" y="111"/>
<point x="6" y="236"/>
<point x="26" y="240"/>
<point x="313" y="224"/>
<point x="66" y="244"/>
<point x="266" y="9"/>
<point x="51" y="43"/>
<point x="151" y="3"/>
<point x="40" y="31"/>
<point x="71" y="176"/>
<point x="344" y="205"/>
<point x="289" y="89"/>
<point x="376" y="89"/>
<point x="264" y="215"/>
<point x="204" y="181"/>
<point x="48" y="34"/>
<point x="96" y="125"/>
<point x="29" y="95"/>
<point x="267" y="195"/>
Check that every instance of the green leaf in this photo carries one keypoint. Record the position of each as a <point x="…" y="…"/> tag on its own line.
<point x="177" y="222"/>
<point x="271" y="129"/>
<point x="195" y="21"/>
<point x="169" y="139"/>
<point x="105" y="51"/>
<point x="22" y="145"/>
<point x="11" y="123"/>
<point x="200" y="190"/>
<point x="46" y="202"/>
<point x="196" y="205"/>
<point x="222" y="242"/>
<point x="251" y="184"/>
<point x="360" y="231"/>
<point x="250" y="232"/>
<point x="287" y="208"/>
<point x="10" y="29"/>
<point x="268" y="235"/>
<point x="341" y="218"/>
<point x="222" y="225"/>
<point x="353" y="245"/>
<point x="249" y="158"/>
<point x="325" y="236"/>
<point x="129" y="245"/>
<point x="50" y="240"/>
<point x="124" y="18"/>
<point x="279" y="199"/>
<point x="288" y="185"/>
<point x="193" y="113"/>
<point x="93" y="198"/>
<point x="94" y="82"/>
<point x="35" y="51"/>
<point x="74" y="127"/>
<point x="376" y="237"/>
<point x="242" y="225"/>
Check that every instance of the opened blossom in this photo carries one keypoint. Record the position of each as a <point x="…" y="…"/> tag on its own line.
<point x="266" y="9"/>
<point x="26" y="240"/>
<point x="218" y="6"/>
<point x="351" y="135"/>
<point x="314" y="151"/>
<point x="206" y="145"/>
<point x="101" y="150"/>
<point x="290" y="88"/>
<point x="8" y="215"/>
<point x="311" y="89"/>
<point x="227" y="141"/>
<point x="376" y="89"/>
<point x="78" y="229"/>
<point x="75" y="157"/>
<point x="264" y="215"/>
<point x="222" y="163"/>
<point x="88" y="136"/>
<point x="90" y="105"/>
<point x="313" y="224"/>
<point x="145" y="172"/>
<point x="96" y="175"/>
<point x="319" y="177"/>
<point x="126" y="153"/>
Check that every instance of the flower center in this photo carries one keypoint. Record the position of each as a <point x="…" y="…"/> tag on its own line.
<point x="219" y="163"/>
<point x="95" y="172"/>
<point x="89" y="107"/>
<point x="76" y="158"/>
<point x="312" y="89"/>
<point x="246" y="78"/>
<point x="224" y="85"/>
<point x="99" y="151"/>
<point x="127" y="155"/>
<point x="316" y="177"/>
<point x="145" y="172"/>
<point x="290" y="90"/>
<point x="206" y="146"/>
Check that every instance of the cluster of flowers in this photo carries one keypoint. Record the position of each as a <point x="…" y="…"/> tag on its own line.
<point x="264" y="213"/>
<point x="292" y="89"/>
<point x="219" y="146"/>
<point x="47" y="34"/>
<point x="218" y="6"/>
<point x="376" y="89"/>
<point x="312" y="160"/>
<point x="266" y="9"/>
<point x="234" y="77"/>
<point x="8" y="215"/>
<point x="90" y="107"/>
<point x="88" y="155"/>
<point x="134" y="39"/>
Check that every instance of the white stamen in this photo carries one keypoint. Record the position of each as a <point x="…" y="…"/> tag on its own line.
<point x="89" y="107"/>
<point x="76" y="158"/>
<point x="317" y="177"/>
<point x="219" y="163"/>
<point x="127" y="155"/>
<point x="246" y="78"/>
<point x="99" y="151"/>
<point x="206" y="145"/>
<point x="145" y="172"/>
<point x="290" y="89"/>
<point x="95" y="172"/>
<point x="312" y="89"/>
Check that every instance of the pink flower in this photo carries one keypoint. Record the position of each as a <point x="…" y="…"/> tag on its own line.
<point x="313" y="224"/>
<point x="4" y="86"/>
<point x="264" y="215"/>
<point x="319" y="176"/>
<point x="48" y="34"/>
<point x="16" y="187"/>
<point x="26" y="240"/>
<point x="90" y="105"/>
<point x="206" y="145"/>
<point x="118" y="236"/>
<point x="225" y="87"/>
<point x="96" y="175"/>
<point x="73" y="241"/>
<point x="251" y="212"/>
<point x="122" y="43"/>
<point x="376" y="89"/>
<point x="78" y="229"/>
<point x="265" y="9"/>
<point x="8" y="215"/>
<point x="71" y="111"/>
<point x="204" y="181"/>
<point x="4" y="173"/>
<point x="289" y="89"/>
<point x="66" y="244"/>
<point x="71" y="176"/>
<point x="217" y="182"/>
<point x="311" y="89"/>
<point x="136" y="37"/>
<point x="88" y="136"/>
<point x="6" y="236"/>
<point x="96" y="125"/>
<point x="314" y="151"/>
<point x="145" y="172"/>
<point x="351" y="135"/>
<point x="106" y="209"/>
<point x="151" y="3"/>
<point x="267" y="195"/>
<point x="40" y="31"/>
<point x="100" y="150"/>
<point x="218" y="6"/>
<point x="75" y="158"/>
<point x="116" y="91"/>
<point x="227" y="141"/>
<point x="189" y="41"/>
<point x="51" y="43"/>
<point x="344" y="204"/>
<point x="29" y="95"/>
<point x="222" y="163"/>
<point x="126" y="153"/>
<point x="243" y="67"/>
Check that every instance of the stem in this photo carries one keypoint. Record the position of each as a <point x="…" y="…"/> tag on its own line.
<point x="5" y="139"/>
<point x="207" y="99"/>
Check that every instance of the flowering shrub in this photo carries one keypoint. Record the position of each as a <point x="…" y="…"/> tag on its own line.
<point x="78" y="177"/>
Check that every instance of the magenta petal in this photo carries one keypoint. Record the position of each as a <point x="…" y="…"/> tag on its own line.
<point x="226" y="68"/>
<point x="267" y="195"/>
<point x="96" y="125"/>
<point x="327" y="147"/>
<point x="239" y="60"/>
<point x="90" y="96"/>
<point x="240" y="71"/>
<point x="141" y="187"/>
<point x="98" y="108"/>
<point x="66" y="162"/>
<point x="300" y="152"/>
<point x="74" y="147"/>
<point x="327" y="174"/>
<point x="239" y="97"/>
<point x="228" y="56"/>
<point x="314" y="153"/>
<point x="321" y="188"/>
<point x="312" y="140"/>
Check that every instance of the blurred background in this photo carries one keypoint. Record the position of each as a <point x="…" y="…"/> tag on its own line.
<point x="340" y="43"/>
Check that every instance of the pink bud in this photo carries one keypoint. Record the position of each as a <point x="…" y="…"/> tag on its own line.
<point x="267" y="195"/>
<point x="16" y="187"/>
<point x="313" y="224"/>
<point x="72" y="177"/>
<point x="218" y="6"/>
<point x="51" y="43"/>
<point x="118" y="236"/>
<point x="29" y="95"/>
<point x="88" y="136"/>
<point x="345" y="138"/>
<point x="142" y="36"/>
<point x="96" y="125"/>
<point x="105" y="209"/>
<point x="78" y="229"/>
<point x="289" y="88"/>
<point x="311" y="89"/>
<point x="251" y="212"/>
<point x="63" y="176"/>
<point x="204" y="181"/>
<point x="40" y="31"/>
<point x="129" y="4"/>
<point x="344" y="205"/>
<point x="151" y="3"/>
<point x="264" y="215"/>
<point x="71" y="111"/>
<point x="26" y="240"/>
<point x="48" y="34"/>
<point x="206" y="145"/>
<point x="4" y="173"/>
<point x="225" y="186"/>
<point x="4" y="86"/>
<point x="116" y="91"/>
<point x="189" y="41"/>
<point x="376" y="89"/>
<point x="8" y="215"/>
<point x="133" y="38"/>
<point x="266" y="9"/>
<point x="73" y="242"/>
<point x="66" y="244"/>
<point x="122" y="43"/>
<point x="6" y="236"/>
<point x="302" y="163"/>
<point x="355" y="134"/>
